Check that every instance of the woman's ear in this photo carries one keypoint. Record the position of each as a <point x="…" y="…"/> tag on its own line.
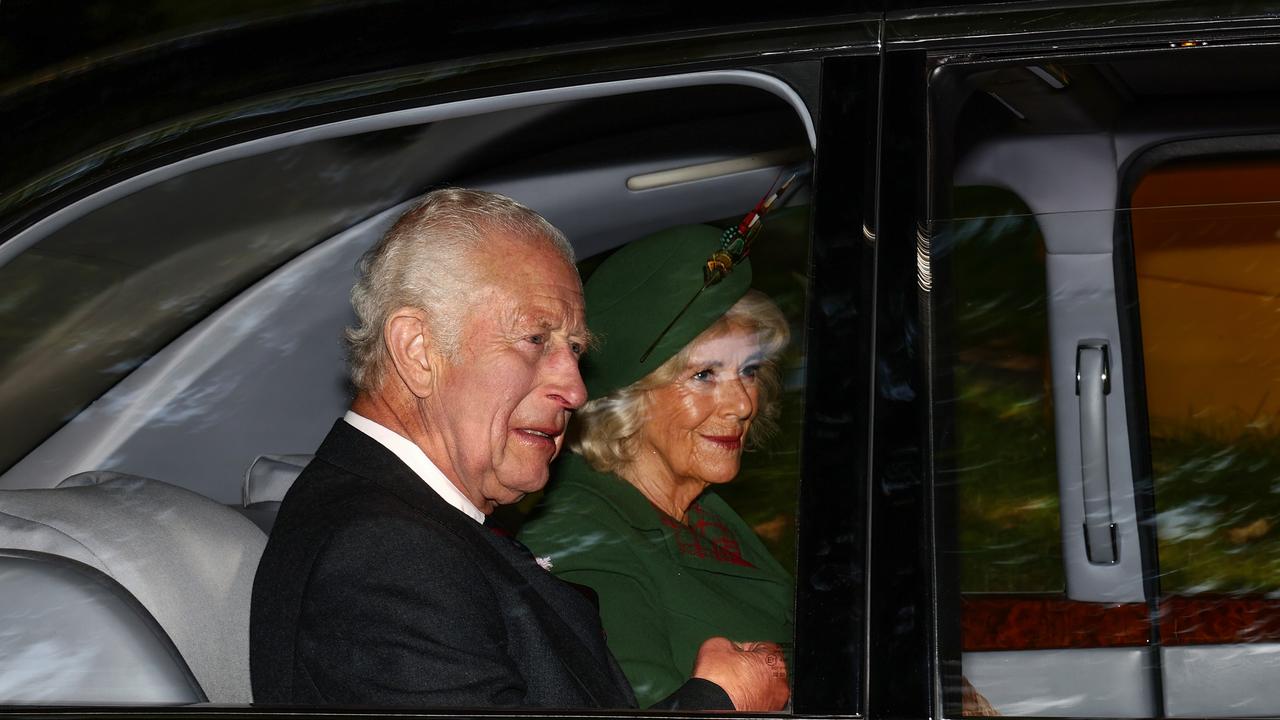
<point x="411" y="347"/>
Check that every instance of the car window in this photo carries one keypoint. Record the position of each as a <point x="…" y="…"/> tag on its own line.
<point x="92" y="301"/>
<point x="1003" y="460"/>
<point x="1105" y="297"/>
<point x="99" y="296"/>
<point x="1104" y="291"/>
<point x="1204" y="245"/>
<point x="1204" y="249"/>
<point x="186" y="336"/>
<point x="1026" y="642"/>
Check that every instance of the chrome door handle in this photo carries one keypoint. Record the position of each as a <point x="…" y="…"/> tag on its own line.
<point x="1093" y="384"/>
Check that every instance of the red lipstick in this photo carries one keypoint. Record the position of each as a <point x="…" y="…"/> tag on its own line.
<point x="728" y="442"/>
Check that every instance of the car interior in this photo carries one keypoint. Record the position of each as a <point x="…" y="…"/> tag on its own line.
<point x="177" y="351"/>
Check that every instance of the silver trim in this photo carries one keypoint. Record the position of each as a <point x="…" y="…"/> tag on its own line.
<point x="924" y="273"/>
<point x="706" y="171"/>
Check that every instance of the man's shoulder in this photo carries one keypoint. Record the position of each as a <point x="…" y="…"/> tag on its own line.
<point x="331" y="500"/>
<point x="333" y="519"/>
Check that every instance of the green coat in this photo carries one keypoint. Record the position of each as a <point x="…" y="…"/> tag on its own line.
<point x="664" y="586"/>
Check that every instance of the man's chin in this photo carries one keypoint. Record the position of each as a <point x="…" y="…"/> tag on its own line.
<point x="515" y="490"/>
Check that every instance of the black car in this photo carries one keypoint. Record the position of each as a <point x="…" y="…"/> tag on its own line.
<point x="1030" y="439"/>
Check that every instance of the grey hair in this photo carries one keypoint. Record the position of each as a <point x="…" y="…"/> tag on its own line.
<point x="606" y="429"/>
<point x="431" y="259"/>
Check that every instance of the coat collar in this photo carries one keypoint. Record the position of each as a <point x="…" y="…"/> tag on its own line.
<point x="636" y="510"/>
<point x="630" y="504"/>
<point x="361" y="455"/>
<point x="421" y="465"/>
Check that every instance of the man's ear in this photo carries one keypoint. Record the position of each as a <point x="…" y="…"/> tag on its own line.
<point x="412" y="349"/>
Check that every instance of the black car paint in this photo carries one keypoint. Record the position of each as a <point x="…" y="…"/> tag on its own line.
<point x="869" y="581"/>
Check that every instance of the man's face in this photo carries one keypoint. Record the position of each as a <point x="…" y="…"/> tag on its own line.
<point x="499" y="412"/>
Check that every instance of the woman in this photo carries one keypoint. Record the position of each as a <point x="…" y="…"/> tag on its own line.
<point x="631" y="513"/>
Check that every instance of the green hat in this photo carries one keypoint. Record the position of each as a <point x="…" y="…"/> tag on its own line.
<point x="641" y="288"/>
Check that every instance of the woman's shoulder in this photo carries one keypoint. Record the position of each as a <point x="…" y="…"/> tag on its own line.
<point x="579" y="491"/>
<point x="587" y="513"/>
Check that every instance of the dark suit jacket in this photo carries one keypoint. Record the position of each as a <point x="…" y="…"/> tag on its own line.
<point x="374" y="591"/>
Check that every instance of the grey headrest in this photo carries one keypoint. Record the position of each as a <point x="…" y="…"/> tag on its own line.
<point x="270" y="477"/>
<point x="189" y="560"/>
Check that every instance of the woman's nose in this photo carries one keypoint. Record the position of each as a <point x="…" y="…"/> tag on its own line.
<point x="735" y="399"/>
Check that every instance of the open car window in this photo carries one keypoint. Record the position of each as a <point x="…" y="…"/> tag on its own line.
<point x="172" y="350"/>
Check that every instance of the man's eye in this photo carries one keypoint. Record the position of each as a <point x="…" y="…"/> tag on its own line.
<point x="576" y="348"/>
<point x="537" y="339"/>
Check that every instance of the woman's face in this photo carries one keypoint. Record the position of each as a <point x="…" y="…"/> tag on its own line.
<point x="696" y="424"/>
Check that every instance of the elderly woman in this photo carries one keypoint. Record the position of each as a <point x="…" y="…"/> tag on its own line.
<point x="632" y="513"/>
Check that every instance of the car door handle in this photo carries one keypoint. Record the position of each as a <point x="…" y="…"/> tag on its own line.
<point x="1093" y="384"/>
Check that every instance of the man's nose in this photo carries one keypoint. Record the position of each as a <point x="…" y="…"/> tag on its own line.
<point x="567" y="387"/>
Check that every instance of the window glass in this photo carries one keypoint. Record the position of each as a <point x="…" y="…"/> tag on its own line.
<point x="1106" y="370"/>
<point x="93" y="300"/>
<point x="1206" y="244"/>
<point x="1038" y="633"/>
<point x="1002" y="459"/>
<point x="1032" y="642"/>
<point x="766" y="491"/>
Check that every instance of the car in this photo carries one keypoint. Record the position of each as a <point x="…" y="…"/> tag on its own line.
<point x="1029" y="439"/>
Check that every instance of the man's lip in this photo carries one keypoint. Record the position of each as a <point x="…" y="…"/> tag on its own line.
<point x="551" y="433"/>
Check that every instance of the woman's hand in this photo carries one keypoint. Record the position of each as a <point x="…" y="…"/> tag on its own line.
<point x="754" y="674"/>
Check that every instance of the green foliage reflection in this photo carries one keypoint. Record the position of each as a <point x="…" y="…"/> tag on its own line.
<point x="1001" y="455"/>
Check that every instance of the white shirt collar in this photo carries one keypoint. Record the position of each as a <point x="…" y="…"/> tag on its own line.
<point x="417" y="461"/>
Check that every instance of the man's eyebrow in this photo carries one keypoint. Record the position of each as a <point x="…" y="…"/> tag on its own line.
<point x="588" y="339"/>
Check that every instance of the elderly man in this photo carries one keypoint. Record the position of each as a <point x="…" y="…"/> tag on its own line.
<point x="380" y="584"/>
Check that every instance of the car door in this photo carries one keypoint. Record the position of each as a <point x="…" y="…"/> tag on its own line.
<point x="1101" y="352"/>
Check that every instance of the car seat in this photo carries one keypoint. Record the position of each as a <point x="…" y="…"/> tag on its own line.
<point x="74" y="635"/>
<point x="266" y="482"/>
<point x="188" y="561"/>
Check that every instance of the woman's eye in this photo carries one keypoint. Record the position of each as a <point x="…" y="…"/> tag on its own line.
<point x="704" y="375"/>
<point x="537" y="339"/>
<point x="750" y="371"/>
<point x="575" y="348"/>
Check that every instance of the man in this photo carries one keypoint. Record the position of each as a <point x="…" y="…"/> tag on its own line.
<point x="380" y="585"/>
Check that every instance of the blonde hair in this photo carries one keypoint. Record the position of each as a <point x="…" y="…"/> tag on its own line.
<point x="604" y="431"/>
<point x="430" y="260"/>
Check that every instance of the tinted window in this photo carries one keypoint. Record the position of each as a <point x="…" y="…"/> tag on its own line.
<point x="1207" y="258"/>
<point x="1103" y="372"/>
